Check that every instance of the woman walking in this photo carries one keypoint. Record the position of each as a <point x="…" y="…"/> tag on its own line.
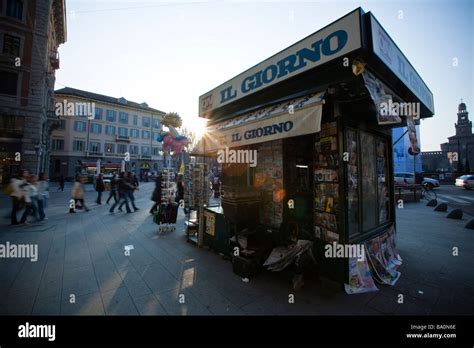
<point x="77" y="194"/>
<point x="99" y="187"/>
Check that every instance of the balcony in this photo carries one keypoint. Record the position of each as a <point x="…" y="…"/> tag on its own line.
<point x="110" y="154"/>
<point x="145" y="157"/>
<point x="54" y="59"/>
<point x="124" y="138"/>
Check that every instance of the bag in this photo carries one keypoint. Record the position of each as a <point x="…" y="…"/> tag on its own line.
<point x="8" y="190"/>
<point x="157" y="217"/>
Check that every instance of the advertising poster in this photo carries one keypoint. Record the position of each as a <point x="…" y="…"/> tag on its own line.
<point x="414" y="147"/>
<point x="326" y="197"/>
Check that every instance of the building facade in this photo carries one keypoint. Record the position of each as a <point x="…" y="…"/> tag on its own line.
<point x="456" y="155"/>
<point x="30" y="34"/>
<point x="116" y="130"/>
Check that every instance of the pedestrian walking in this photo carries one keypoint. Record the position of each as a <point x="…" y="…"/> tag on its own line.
<point x="131" y="184"/>
<point x="156" y="195"/>
<point x="134" y="187"/>
<point x="113" y="189"/>
<point x="31" y="199"/>
<point x="17" y="194"/>
<point x="99" y="187"/>
<point x="43" y="195"/>
<point x="61" y="183"/>
<point x="77" y="194"/>
<point x="122" y="189"/>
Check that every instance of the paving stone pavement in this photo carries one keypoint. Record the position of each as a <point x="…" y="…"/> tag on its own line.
<point x="82" y="269"/>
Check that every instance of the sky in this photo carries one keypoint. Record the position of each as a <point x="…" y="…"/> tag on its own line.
<point x="168" y="53"/>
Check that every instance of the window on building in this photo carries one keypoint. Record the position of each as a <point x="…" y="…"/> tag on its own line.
<point x="98" y="113"/>
<point x="15" y="9"/>
<point x="145" y="121"/>
<point x="11" y="45"/>
<point x="111" y="115"/>
<point x="134" y="133"/>
<point x="135" y="120"/>
<point x="78" y="145"/>
<point x="62" y="124"/>
<point x="156" y="123"/>
<point x="123" y="117"/>
<point x="79" y="126"/>
<point x="156" y="151"/>
<point x="109" y="148"/>
<point x="9" y="83"/>
<point x="94" y="146"/>
<point x="57" y="144"/>
<point x="110" y="130"/>
<point x="368" y="179"/>
<point x="121" y="148"/>
<point x="146" y="150"/>
<point x="123" y="132"/>
<point x="96" y="128"/>
<point x="134" y="149"/>
<point x="145" y="134"/>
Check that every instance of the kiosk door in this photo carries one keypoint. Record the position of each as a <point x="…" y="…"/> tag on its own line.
<point x="298" y="185"/>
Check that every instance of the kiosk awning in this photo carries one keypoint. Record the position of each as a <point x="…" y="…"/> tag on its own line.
<point x="291" y="118"/>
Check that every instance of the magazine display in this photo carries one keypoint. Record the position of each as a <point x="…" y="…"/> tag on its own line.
<point x="326" y="183"/>
<point x="360" y="278"/>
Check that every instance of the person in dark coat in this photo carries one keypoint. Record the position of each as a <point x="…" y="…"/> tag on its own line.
<point x="122" y="189"/>
<point x="113" y="189"/>
<point x="61" y="183"/>
<point x="131" y="183"/>
<point x="99" y="187"/>
<point x="156" y="196"/>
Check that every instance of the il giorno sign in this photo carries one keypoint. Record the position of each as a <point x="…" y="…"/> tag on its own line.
<point x="337" y="39"/>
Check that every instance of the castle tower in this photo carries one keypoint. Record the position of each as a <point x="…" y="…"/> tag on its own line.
<point x="463" y="126"/>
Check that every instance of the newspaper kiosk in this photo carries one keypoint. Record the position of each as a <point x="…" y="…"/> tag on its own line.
<point x="304" y="139"/>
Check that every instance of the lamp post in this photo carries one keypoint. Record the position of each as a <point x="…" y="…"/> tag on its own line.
<point x="466" y="165"/>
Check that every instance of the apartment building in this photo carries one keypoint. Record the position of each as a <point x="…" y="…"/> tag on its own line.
<point x="30" y="34"/>
<point x="116" y="130"/>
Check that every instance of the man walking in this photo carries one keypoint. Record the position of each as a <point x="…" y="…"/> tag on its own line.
<point x="123" y="196"/>
<point x="61" y="183"/>
<point x="130" y="183"/>
<point x="113" y="189"/>
<point x="17" y="194"/>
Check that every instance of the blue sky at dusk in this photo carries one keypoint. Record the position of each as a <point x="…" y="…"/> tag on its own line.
<point x="168" y="53"/>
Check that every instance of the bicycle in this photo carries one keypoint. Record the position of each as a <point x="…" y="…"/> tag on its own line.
<point x="428" y="193"/>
